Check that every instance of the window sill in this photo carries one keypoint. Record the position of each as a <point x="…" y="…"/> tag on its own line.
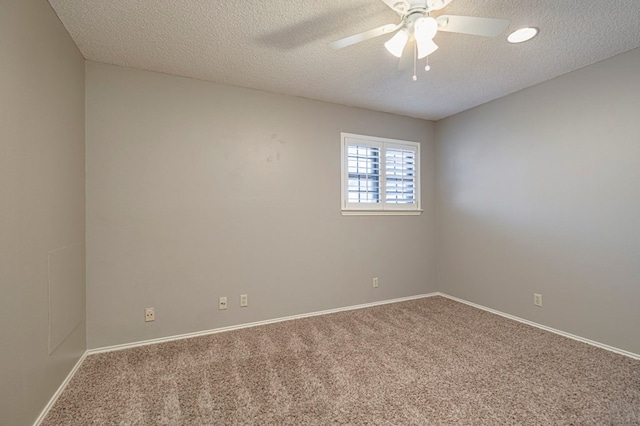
<point x="381" y="212"/>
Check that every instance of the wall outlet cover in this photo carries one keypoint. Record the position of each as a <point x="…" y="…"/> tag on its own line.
<point x="149" y="315"/>
<point x="537" y="299"/>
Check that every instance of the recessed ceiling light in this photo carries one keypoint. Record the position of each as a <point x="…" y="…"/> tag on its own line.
<point x="522" y="35"/>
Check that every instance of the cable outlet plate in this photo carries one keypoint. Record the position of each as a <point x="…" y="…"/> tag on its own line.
<point x="222" y="303"/>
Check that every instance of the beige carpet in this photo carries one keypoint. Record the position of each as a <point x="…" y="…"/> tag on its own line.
<point x="430" y="361"/>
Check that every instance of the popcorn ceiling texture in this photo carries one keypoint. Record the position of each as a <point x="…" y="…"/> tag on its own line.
<point x="426" y="361"/>
<point x="282" y="47"/>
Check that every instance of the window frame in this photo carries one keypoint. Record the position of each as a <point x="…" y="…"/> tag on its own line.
<point x="382" y="207"/>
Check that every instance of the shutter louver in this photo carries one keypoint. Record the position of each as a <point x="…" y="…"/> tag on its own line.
<point x="400" y="176"/>
<point x="364" y="174"/>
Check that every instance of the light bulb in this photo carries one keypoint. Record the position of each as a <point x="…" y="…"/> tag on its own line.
<point x="427" y="68"/>
<point x="396" y="44"/>
<point x="415" y="77"/>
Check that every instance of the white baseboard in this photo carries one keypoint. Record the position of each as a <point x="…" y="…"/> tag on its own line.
<point x="63" y="385"/>
<point x="251" y="324"/>
<point x="55" y="396"/>
<point x="312" y="314"/>
<point x="544" y="327"/>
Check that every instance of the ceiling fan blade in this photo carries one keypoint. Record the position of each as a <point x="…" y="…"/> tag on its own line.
<point x="367" y="35"/>
<point x="406" y="60"/>
<point x="488" y="27"/>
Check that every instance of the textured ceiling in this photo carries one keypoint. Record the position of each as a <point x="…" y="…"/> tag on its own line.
<point x="281" y="46"/>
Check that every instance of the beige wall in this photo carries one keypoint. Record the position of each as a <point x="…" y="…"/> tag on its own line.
<point x="197" y="190"/>
<point x="41" y="208"/>
<point x="540" y="192"/>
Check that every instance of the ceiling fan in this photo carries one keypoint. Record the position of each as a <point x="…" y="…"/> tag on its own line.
<point x="417" y="29"/>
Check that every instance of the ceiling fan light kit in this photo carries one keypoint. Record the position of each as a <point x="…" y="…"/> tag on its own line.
<point x="416" y="25"/>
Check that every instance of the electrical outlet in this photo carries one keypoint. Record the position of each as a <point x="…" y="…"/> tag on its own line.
<point x="537" y="299"/>
<point x="149" y="315"/>
<point x="375" y="282"/>
<point x="244" y="300"/>
<point x="222" y="304"/>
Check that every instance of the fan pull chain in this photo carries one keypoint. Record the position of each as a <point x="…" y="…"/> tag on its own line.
<point x="428" y="67"/>
<point x="415" y="60"/>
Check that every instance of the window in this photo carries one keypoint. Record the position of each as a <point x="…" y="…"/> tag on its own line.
<point x="380" y="176"/>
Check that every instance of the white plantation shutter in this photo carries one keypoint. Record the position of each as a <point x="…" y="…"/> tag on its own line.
<point x="364" y="174"/>
<point x="380" y="174"/>
<point x="400" y="175"/>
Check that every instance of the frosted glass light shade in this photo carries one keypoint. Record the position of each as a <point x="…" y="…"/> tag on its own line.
<point x="426" y="47"/>
<point x="425" y="28"/>
<point x="396" y="44"/>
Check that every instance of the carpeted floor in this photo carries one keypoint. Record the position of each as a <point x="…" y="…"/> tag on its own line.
<point x="429" y="361"/>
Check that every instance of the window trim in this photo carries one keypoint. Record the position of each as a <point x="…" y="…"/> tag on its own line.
<point x="381" y="208"/>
